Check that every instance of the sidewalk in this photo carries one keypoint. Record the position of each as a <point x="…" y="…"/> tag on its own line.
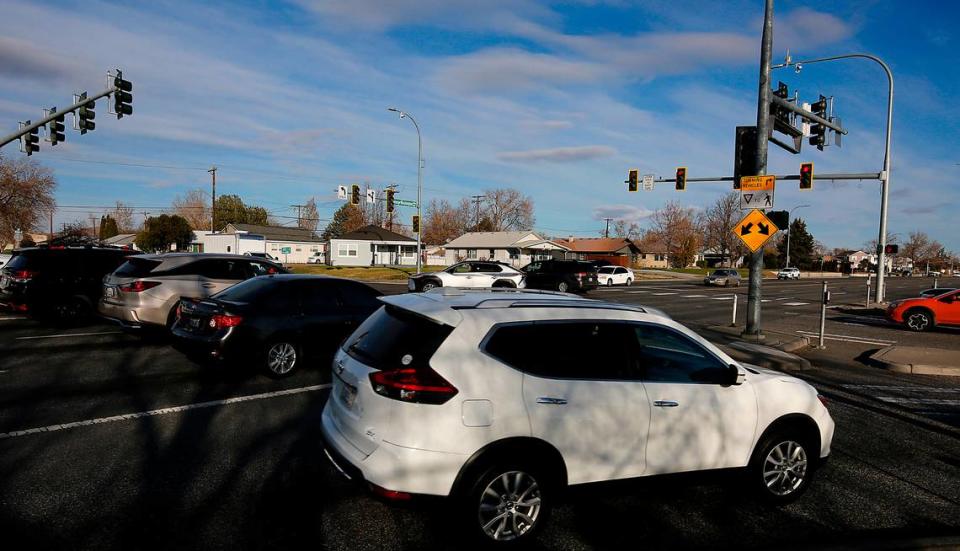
<point x="773" y="352"/>
<point x="917" y="360"/>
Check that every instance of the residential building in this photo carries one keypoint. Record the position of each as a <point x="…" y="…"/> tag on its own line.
<point x="617" y="251"/>
<point x="122" y="240"/>
<point x="286" y="244"/>
<point x="517" y="248"/>
<point x="372" y="246"/>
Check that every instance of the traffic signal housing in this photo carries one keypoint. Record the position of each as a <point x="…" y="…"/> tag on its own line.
<point x="30" y="142"/>
<point x="55" y="129"/>
<point x="744" y="153"/>
<point x="85" y="116"/>
<point x="891" y="249"/>
<point x="390" y="200"/>
<point x="416" y="224"/>
<point x="682" y="178"/>
<point x="818" y="132"/>
<point x="122" y="96"/>
<point x="355" y="194"/>
<point x="633" y="179"/>
<point x="806" y="176"/>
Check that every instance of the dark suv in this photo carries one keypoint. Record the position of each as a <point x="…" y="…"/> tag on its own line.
<point x="561" y="275"/>
<point x="63" y="283"/>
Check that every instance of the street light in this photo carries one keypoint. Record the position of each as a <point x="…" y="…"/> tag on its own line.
<point x="789" y="223"/>
<point x="419" y="176"/>
<point x="885" y="175"/>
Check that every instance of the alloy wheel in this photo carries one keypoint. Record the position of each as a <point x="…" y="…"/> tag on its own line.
<point x="281" y="358"/>
<point x="562" y="287"/>
<point x="509" y="506"/>
<point x="918" y="321"/>
<point x="785" y="468"/>
<point x="428" y="286"/>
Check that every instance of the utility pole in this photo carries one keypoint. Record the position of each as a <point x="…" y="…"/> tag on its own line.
<point x="51" y="225"/>
<point x="763" y="133"/>
<point x="299" y="210"/>
<point x="477" y="199"/>
<point x="606" y="232"/>
<point x="213" y="199"/>
<point x="93" y="225"/>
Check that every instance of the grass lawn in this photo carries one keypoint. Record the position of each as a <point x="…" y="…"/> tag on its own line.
<point x="366" y="273"/>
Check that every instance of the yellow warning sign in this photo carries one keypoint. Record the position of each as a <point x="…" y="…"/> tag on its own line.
<point x="757" y="183"/>
<point x="755" y="229"/>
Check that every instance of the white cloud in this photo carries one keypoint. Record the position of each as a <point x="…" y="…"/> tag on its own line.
<point x="558" y="154"/>
<point x="506" y="70"/>
<point x="627" y="213"/>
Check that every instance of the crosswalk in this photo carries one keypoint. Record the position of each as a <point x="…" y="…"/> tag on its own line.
<point x="677" y="293"/>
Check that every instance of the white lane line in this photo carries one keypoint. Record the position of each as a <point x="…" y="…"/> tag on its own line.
<point x="695" y="296"/>
<point x="11" y="319"/>
<point x="729" y="297"/>
<point x="919" y="401"/>
<point x="662" y="294"/>
<point x="163" y="411"/>
<point x="795" y="303"/>
<point x="66" y="335"/>
<point x="637" y="292"/>
<point x="914" y="388"/>
<point x="847" y="338"/>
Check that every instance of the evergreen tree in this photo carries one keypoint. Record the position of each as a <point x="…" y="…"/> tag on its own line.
<point x="802" y="246"/>
<point x="160" y="232"/>
<point x="346" y="219"/>
<point x="108" y="227"/>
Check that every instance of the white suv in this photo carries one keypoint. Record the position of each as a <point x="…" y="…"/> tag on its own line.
<point x="788" y="273"/>
<point x="501" y="399"/>
<point x="471" y="274"/>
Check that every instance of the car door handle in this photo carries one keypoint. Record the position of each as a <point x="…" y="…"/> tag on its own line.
<point x="666" y="404"/>
<point x="552" y="401"/>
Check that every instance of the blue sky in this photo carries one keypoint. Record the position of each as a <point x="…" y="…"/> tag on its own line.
<point x="557" y="99"/>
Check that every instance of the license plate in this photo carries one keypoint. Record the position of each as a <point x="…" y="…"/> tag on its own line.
<point x="109" y="291"/>
<point x="348" y="394"/>
<point x="194" y="323"/>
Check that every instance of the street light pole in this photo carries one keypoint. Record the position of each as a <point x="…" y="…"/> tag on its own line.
<point x="419" y="179"/>
<point x="885" y="175"/>
<point x="790" y="223"/>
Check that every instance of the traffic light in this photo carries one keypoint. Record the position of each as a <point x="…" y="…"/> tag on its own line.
<point x="29" y="142"/>
<point x="633" y="179"/>
<point x="355" y="194"/>
<point x="55" y="129"/>
<point x="122" y="96"/>
<point x="818" y="132"/>
<point x="389" y="200"/>
<point x="416" y="224"/>
<point x="780" y="218"/>
<point x="85" y="116"/>
<point x="682" y="178"/>
<point x="744" y="153"/>
<point x="806" y="176"/>
<point x="891" y="249"/>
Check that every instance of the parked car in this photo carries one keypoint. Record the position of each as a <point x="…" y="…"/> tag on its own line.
<point x="615" y="275"/>
<point x="724" y="277"/>
<point x="263" y="256"/>
<point x="788" y="273"/>
<point x="315" y="258"/>
<point x="273" y="322"/>
<point x="469" y="274"/>
<point x="145" y="291"/>
<point x="561" y="275"/>
<point x="458" y="396"/>
<point x="936" y="291"/>
<point x="923" y="314"/>
<point x="4" y="258"/>
<point x="63" y="283"/>
<point x="934" y="273"/>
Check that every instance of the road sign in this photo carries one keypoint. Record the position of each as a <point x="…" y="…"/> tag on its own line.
<point x="756" y="192"/>
<point x="648" y="182"/>
<point x="405" y="202"/>
<point x="341" y="192"/>
<point x="754" y="229"/>
<point x="285" y="250"/>
<point x="371" y="196"/>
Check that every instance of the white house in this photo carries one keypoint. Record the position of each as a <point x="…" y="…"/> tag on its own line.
<point x="372" y="246"/>
<point x="288" y="245"/>
<point x="517" y="248"/>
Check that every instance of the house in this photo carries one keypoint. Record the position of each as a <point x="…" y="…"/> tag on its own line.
<point x="617" y="251"/>
<point x="653" y="254"/>
<point x="289" y="245"/>
<point x="372" y="246"/>
<point x="517" y="248"/>
<point x="125" y="240"/>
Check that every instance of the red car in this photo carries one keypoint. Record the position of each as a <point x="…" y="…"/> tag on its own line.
<point x="923" y="314"/>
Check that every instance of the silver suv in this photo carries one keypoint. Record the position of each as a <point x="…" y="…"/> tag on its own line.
<point x="146" y="289"/>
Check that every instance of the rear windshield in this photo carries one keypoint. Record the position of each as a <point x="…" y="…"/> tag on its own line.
<point x="249" y="291"/>
<point x="22" y="262"/>
<point x="574" y="267"/>
<point x="395" y="339"/>
<point x="137" y="267"/>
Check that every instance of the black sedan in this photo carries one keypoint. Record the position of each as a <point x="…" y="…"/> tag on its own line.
<point x="273" y="322"/>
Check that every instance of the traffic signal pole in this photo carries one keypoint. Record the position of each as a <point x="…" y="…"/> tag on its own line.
<point x="763" y="132"/>
<point x="54" y="115"/>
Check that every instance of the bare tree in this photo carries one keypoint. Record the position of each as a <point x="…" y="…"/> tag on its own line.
<point x="920" y="248"/>
<point x="26" y="196"/>
<point x="309" y="216"/>
<point x="123" y="215"/>
<point x="871" y="245"/>
<point x="718" y="221"/>
<point x="194" y="206"/>
<point x="443" y="222"/>
<point x="508" y="209"/>
<point x="678" y="230"/>
<point x="627" y="230"/>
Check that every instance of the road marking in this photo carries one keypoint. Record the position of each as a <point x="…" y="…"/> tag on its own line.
<point x="795" y="303"/>
<point x="11" y="319"/>
<point x="163" y="411"/>
<point x="695" y="296"/>
<point x="66" y="335"/>
<point x="722" y="298"/>
<point x="847" y="338"/>
<point x="637" y="292"/>
<point x="919" y="401"/>
<point x="911" y="388"/>
<point x="662" y="294"/>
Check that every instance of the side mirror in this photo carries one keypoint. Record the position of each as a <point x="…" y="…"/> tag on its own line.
<point x="734" y="375"/>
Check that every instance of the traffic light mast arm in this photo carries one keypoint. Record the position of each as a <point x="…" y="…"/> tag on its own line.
<point x="837" y="176"/>
<point x="43" y="122"/>
<point x="807" y="114"/>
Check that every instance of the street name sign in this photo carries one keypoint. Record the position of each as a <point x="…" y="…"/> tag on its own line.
<point x="405" y="202"/>
<point x="285" y="250"/>
<point x="756" y="192"/>
<point x="648" y="182"/>
<point x="755" y="229"/>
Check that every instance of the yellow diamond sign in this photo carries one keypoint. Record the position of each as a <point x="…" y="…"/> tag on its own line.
<point x="755" y="229"/>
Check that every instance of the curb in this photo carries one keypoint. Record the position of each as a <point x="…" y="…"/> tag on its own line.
<point x="776" y="355"/>
<point x="911" y="368"/>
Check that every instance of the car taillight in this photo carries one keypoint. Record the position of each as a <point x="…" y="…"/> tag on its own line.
<point x="23" y="275"/>
<point x="389" y="494"/>
<point x="179" y="310"/>
<point x="823" y="400"/>
<point x="222" y="321"/>
<point x="580" y="275"/>
<point x="420" y="385"/>
<point x="138" y="286"/>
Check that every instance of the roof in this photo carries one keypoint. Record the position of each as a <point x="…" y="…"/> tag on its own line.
<point x="121" y="239"/>
<point x="277" y="233"/>
<point x="494" y="240"/>
<point x="597" y="244"/>
<point x="375" y="233"/>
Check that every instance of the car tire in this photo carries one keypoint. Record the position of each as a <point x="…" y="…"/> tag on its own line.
<point x="609" y="283"/>
<point x="629" y="282"/>
<point x="918" y="320"/>
<point x="281" y="358"/>
<point x="429" y="285"/>
<point x="563" y="287"/>
<point x="782" y="467"/>
<point x="507" y="505"/>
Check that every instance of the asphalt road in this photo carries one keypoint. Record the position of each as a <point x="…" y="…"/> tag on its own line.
<point x="110" y="442"/>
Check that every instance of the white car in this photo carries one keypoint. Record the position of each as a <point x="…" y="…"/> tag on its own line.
<point x="615" y="275"/>
<point x="4" y="258"/>
<point x="788" y="273"/>
<point x="470" y="274"/>
<point x="315" y="258"/>
<point x="500" y="399"/>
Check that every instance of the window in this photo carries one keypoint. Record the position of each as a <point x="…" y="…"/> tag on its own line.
<point x="566" y="350"/>
<point x="408" y="251"/>
<point x="273" y="247"/>
<point x="620" y="271"/>
<point x="298" y="249"/>
<point x="358" y="295"/>
<point x="491" y="254"/>
<point x="472" y="254"/>
<point x="228" y="248"/>
<point x="318" y="297"/>
<point x="210" y="269"/>
<point x="261" y="268"/>
<point x="605" y="271"/>
<point x="388" y="336"/>
<point x="486" y="267"/>
<point x="462" y="268"/>
<point x="347" y="249"/>
<point x="666" y="356"/>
